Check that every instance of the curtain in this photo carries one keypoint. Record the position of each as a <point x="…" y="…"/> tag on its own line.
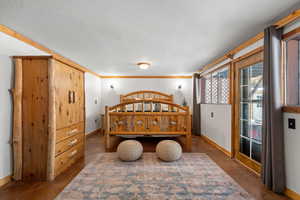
<point x="196" y="129"/>
<point x="273" y="168"/>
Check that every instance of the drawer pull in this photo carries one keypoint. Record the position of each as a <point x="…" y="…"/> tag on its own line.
<point x="73" y="153"/>
<point x="73" y="142"/>
<point x="72" y="131"/>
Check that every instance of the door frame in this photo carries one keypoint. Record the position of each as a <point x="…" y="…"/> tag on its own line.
<point x="237" y="65"/>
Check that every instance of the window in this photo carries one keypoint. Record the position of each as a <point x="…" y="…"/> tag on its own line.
<point x="207" y="89"/>
<point x="216" y="87"/>
<point x="223" y="86"/>
<point x="251" y="93"/>
<point x="292" y="96"/>
<point x="201" y="87"/>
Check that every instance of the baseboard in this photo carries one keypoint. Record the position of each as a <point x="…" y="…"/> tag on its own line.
<point x="250" y="169"/>
<point x="291" y="194"/>
<point x="209" y="141"/>
<point x="93" y="132"/>
<point x="5" y="180"/>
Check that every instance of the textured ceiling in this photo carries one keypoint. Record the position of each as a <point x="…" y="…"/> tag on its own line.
<point x="110" y="36"/>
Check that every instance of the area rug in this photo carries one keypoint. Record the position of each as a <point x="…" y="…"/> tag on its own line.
<point x="194" y="176"/>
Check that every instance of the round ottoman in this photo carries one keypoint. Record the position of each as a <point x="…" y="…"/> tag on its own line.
<point x="168" y="150"/>
<point x="130" y="150"/>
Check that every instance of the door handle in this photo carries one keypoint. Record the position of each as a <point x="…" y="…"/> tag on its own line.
<point x="70" y="97"/>
<point x="73" y="94"/>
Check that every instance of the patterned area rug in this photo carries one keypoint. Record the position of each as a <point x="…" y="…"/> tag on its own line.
<point x="194" y="176"/>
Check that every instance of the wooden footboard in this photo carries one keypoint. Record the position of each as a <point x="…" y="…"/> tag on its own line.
<point x="148" y="117"/>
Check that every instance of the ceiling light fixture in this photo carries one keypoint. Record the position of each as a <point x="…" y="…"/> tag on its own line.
<point x="144" y="65"/>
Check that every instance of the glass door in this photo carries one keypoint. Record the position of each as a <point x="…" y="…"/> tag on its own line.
<point x="250" y="115"/>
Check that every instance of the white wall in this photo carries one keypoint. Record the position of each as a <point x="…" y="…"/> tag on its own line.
<point x="5" y="116"/>
<point x="292" y="151"/>
<point x="92" y="102"/>
<point x="9" y="46"/>
<point x="125" y="85"/>
<point x="218" y="127"/>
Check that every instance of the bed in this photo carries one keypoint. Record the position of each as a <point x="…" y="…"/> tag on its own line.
<point x="147" y="113"/>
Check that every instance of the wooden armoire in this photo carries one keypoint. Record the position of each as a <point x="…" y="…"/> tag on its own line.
<point x="49" y="117"/>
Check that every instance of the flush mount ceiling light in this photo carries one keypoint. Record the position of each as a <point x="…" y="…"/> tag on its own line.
<point x="144" y="65"/>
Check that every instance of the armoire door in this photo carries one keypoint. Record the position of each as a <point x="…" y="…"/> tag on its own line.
<point x="65" y="95"/>
<point x="77" y="90"/>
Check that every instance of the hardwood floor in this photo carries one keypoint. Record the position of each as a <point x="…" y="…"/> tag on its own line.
<point x="95" y="145"/>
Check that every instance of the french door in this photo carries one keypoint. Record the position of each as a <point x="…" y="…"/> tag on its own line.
<point x="248" y="107"/>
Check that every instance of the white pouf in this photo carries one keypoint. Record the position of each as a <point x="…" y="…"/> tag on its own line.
<point x="168" y="150"/>
<point x="130" y="150"/>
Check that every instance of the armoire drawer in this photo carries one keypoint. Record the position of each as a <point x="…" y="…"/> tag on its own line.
<point x="70" y="131"/>
<point x="68" y="143"/>
<point x="68" y="158"/>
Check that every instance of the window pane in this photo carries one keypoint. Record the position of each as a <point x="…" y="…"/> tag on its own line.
<point x="245" y="146"/>
<point x="256" y="151"/>
<point x="202" y="89"/>
<point x="292" y="72"/>
<point x="223" y="86"/>
<point x="256" y="82"/>
<point x="256" y="131"/>
<point x="244" y="111"/>
<point x="244" y="76"/>
<point x="208" y="89"/>
<point x="245" y="128"/>
<point x="256" y="93"/>
<point x="244" y="84"/>
<point x="214" y="88"/>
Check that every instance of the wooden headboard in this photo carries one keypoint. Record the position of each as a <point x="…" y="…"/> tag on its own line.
<point x="146" y="95"/>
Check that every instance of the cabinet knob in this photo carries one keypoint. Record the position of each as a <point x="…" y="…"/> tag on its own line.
<point x="73" y="131"/>
<point x="73" y="142"/>
<point x="73" y="153"/>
